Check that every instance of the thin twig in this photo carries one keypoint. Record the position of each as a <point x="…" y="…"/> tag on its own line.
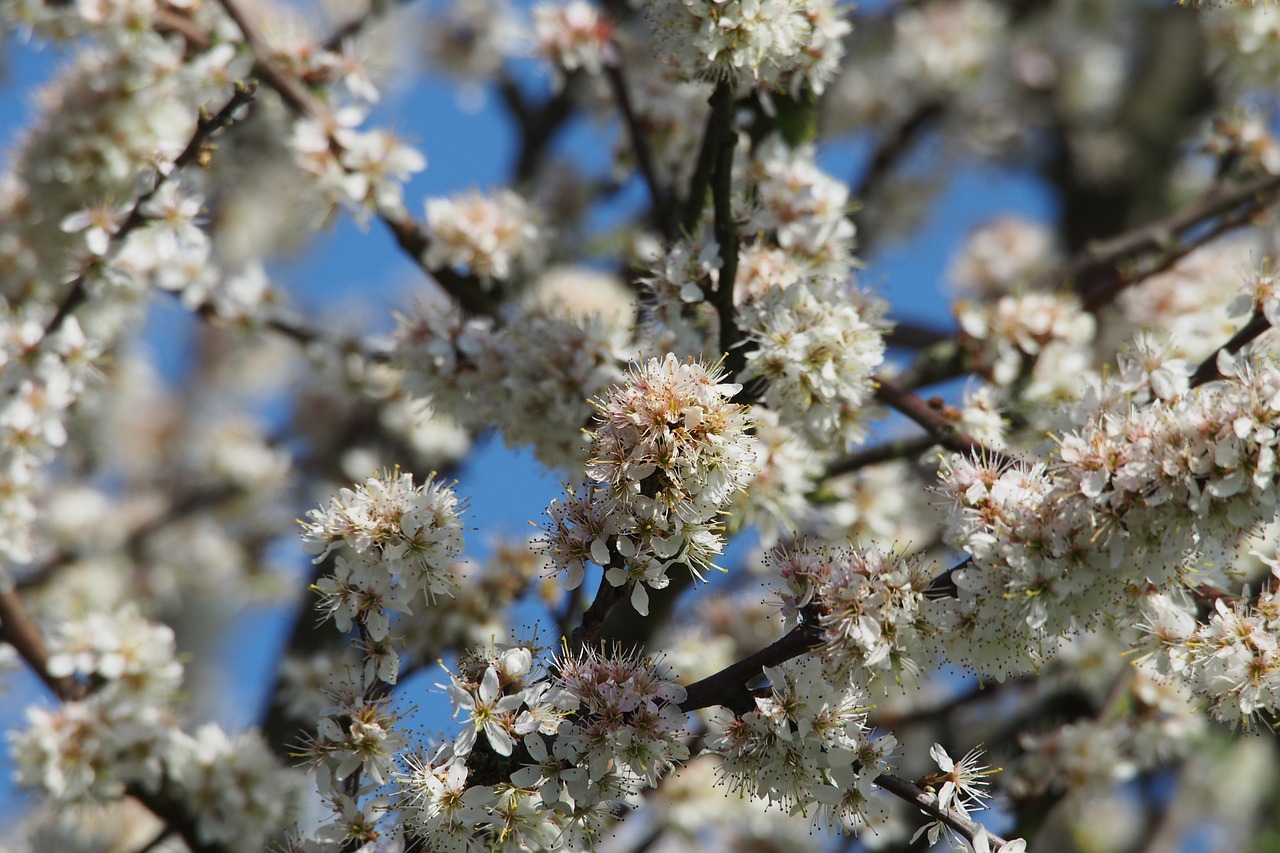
<point x="901" y="448"/>
<point x="1208" y="369"/>
<point x="718" y="123"/>
<point x="928" y="803"/>
<point x="242" y="94"/>
<point x="928" y="416"/>
<point x="640" y="147"/>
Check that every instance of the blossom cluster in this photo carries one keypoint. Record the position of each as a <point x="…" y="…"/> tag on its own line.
<point x="488" y="236"/>
<point x="1231" y="661"/>
<point x="1123" y="532"/>
<point x="125" y="736"/>
<point x="532" y="377"/>
<point x="574" y="36"/>
<point x="1007" y="335"/>
<point x="669" y="452"/>
<point x="818" y="344"/>
<point x="397" y="540"/>
<point x="1056" y="547"/>
<point x="773" y="44"/>
<point x="590" y="735"/>
<point x="783" y="193"/>
<point x="362" y="170"/>
<point x="870" y="606"/>
<point x="805" y="746"/>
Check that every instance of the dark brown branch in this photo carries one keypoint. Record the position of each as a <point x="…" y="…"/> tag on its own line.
<point x="934" y="421"/>
<point x="1208" y="369"/>
<point x="944" y="585"/>
<point x="19" y="630"/>
<point x="287" y="87"/>
<point x="356" y="25"/>
<point x="892" y="148"/>
<point x="1163" y="233"/>
<point x="928" y="803"/>
<point x="640" y="147"/>
<point x="588" y="632"/>
<point x="727" y="687"/>
<point x="725" y="230"/>
<point x="908" y="334"/>
<point x="718" y="124"/>
<point x="537" y="126"/>
<point x="898" y="449"/>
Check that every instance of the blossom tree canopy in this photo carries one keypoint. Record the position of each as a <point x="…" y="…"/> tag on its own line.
<point x="1034" y="609"/>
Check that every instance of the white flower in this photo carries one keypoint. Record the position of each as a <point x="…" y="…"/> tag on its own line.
<point x="487" y="235"/>
<point x="488" y="710"/>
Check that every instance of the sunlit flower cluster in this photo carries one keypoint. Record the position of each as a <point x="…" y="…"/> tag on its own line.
<point x="760" y="42"/>
<point x="1108" y="518"/>
<point x="802" y="208"/>
<point x="941" y="44"/>
<point x="817" y="345"/>
<point x="1054" y="547"/>
<point x="868" y="603"/>
<point x="532" y="377"/>
<point x="627" y="723"/>
<point x="362" y="170"/>
<point x="1231" y="661"/>
<point x="489" y="235"/>
<point x="1003" y="335"/>
<point x="805" y="746"/>
<point x="1002" y="256"/>
<point x="124" y="736"/>
<point x="241" y="793"/>
<point x="669" y="452"/>
<point x="1188" y="303"/>
<point x="574" y="36"/>
<point x="397" y="540"/>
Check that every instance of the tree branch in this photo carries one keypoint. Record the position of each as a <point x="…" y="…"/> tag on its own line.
<point x="206" y="127"/>
<point x="901" y="448"/>
<point x="640" y="147"/>
<point x="1161" y="233"/>
<point x="588" y="631"/>
<point x="19" y="630"/>
<point x="725" y="229"/>
<point x="718" y="124"/>
<point x="938" y="426"/>
<point x="727" y="687"/>
<point x="1208" y="369"/>
<point x="928" y="803"/>
<point x="410" y="236"/>
<point x="892" y="148"/>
